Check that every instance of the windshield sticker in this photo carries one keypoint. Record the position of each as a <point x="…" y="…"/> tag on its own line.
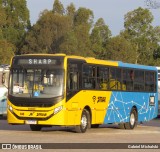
<point x="16" y="89"/>
<point x="36" y="94"/>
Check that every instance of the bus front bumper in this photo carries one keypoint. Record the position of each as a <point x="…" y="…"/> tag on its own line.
<point x="36" y="117"/>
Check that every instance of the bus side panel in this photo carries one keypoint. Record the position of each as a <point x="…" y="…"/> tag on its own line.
<point x="97" y="101"/>
<point x="121" y="103"/>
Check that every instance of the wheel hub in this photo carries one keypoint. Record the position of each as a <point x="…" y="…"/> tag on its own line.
<point x="84" y="121"/>
<point x="132" y="119"/>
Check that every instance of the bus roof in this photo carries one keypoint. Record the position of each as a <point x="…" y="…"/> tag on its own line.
<point x="137" y="66"/>
<point x="98" y="61"/>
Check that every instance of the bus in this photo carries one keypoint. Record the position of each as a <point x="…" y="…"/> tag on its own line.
<point x="158" y="91"/>
<point x="4" y="76"/>
<point x="48" y="90"/>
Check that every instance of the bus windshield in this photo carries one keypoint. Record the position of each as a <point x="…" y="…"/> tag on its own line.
<point x="36" y="83"/>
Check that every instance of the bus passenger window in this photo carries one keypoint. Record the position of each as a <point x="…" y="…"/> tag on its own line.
<point x="150" y="81"/>
<point x="89" y="74"/>
<point x="115" y="79"/>
<point x="138" y="80"/>
<point x="73" y="81"/>
<point x="132" y="75"/>
<point x="73" y="76"/>
<point x="102" y="78"/>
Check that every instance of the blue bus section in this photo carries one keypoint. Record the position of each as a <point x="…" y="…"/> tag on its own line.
<point x="136" y="66"/>
<point x="3" y="100"/>
<point x="145" y="102"/>
<point x="121" y="104"/>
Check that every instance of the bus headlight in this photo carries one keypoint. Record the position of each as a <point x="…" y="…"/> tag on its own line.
<point x="10" y="108"/>
<point x="58" y="109"/>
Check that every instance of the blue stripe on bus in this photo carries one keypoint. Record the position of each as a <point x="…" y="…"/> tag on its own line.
<point x="121" y="103"/>
<point x="122" y="64"/>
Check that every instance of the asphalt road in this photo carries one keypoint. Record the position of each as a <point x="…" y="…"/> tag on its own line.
<point x="148" y="132"/>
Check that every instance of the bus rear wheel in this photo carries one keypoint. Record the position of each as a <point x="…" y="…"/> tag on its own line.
<point x="132" y="120"/>
<point x="84" y="122"/>
<point x="35" y="127"/>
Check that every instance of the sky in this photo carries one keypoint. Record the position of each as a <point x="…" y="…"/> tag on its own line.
<point x="112" y="11"/>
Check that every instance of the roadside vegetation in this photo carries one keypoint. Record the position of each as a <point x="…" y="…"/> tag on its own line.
<point x="75" y="32"/>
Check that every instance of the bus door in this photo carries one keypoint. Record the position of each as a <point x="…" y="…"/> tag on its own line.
<point x="73" y="86"/>
<point x="102" y="95"/>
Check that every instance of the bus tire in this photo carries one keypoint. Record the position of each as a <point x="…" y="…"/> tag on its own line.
<point x="132" y="120"/>
<point x="35" y="127"/>
<point x="85" y="122"/>
<point x="89" y="119"/>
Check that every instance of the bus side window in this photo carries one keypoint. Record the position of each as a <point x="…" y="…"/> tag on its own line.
<point x="73" y="81"/>
<point x="115" y="79"/>
<point x="73" y="77"/>
<point x="102" y="77"/>
<point x="150" y="81"/>
<point x="127" y="79"/>
<point x="89" y="77"/>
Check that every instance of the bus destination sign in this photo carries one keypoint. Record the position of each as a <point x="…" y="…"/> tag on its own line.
<point x="38" y="61"/>
<point x="41" y="61"/>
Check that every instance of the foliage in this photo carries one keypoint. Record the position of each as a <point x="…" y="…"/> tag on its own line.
<point x="120" y="49"/>
<point x="6" y="51"/>
<point x="140" y="32"/>
<point x="16" y="21"/>
<point x="58" y="7"/>
<point x="99" y="37"/>
<point x="57" y="32"/>
<point x="73" y="31"/>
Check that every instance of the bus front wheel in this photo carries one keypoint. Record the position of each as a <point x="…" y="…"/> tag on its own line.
<point x="35" y="127"/>
<point x="132" y="120"/>
<point x="84" y="122"/>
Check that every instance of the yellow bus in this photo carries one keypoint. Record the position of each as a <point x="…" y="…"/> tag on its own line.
<point x="59" y="90"/>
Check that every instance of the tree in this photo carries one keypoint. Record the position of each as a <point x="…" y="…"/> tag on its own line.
<point x="2" y="21"/>
<point x="47" y="34"/>
<point x="82" y="25"/>
<point x="70" y="44"/>
<point x="71" y="10"/>
<point x="120" y="49"/>
<point x="7" y="51"/>
<point x="58" y="7"/>
<point x="83" y="16"/>
<point x="156" y="57"/>
<point x="99" y="37"/>
<point x="6" y="48"/>
<point x="59" y="32"/>
<point x="140" y="32"/>
<point x="17" y="21"/>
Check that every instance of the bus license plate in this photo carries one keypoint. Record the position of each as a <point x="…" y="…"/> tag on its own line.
<point x="31" y="122"/>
